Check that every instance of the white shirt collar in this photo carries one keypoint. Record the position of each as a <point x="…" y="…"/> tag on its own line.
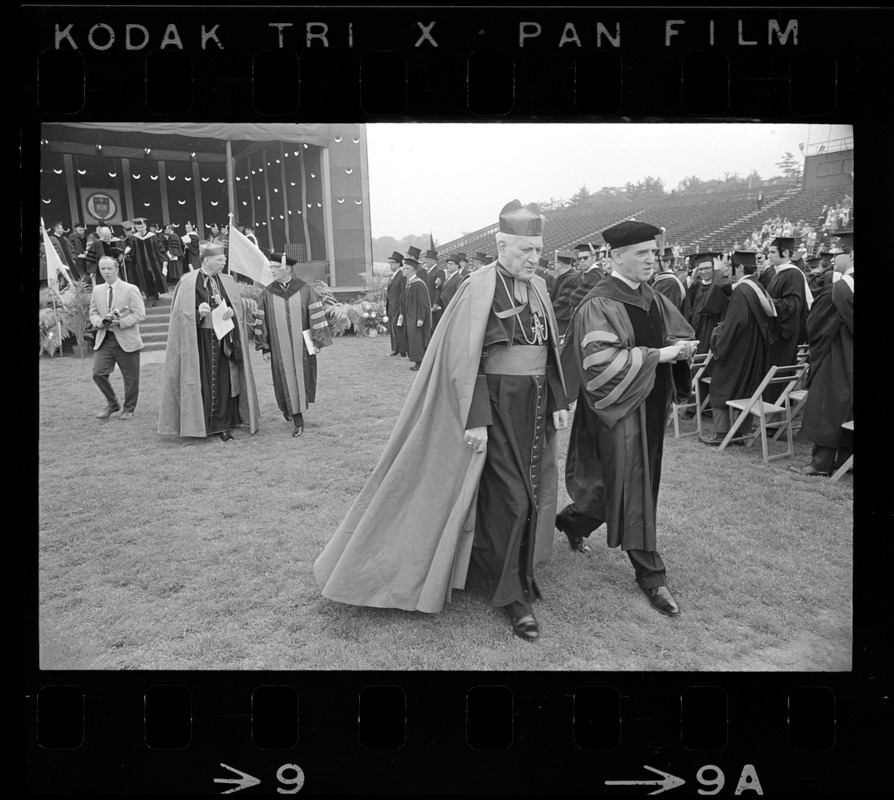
<point x="632" y="284"/>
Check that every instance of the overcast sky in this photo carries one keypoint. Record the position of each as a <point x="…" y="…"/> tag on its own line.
<point x="454" y="178"/>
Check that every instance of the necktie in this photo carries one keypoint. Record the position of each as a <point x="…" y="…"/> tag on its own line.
<point x="110" y="297"/>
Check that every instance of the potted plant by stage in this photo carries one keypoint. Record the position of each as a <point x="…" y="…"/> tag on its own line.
<point x="76" y="313"/>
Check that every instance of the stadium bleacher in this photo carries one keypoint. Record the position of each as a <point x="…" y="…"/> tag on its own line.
<point x="704" y="222"/>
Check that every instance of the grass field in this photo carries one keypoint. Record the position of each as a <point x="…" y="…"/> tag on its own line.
<point x="160" y="553"/>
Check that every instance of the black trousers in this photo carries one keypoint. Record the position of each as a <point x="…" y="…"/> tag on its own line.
<point x="647" y="565"/>
<point x="104" y="360"/>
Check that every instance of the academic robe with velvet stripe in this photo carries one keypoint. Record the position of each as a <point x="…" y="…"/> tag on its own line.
<point x="406" y="541"/>
<point x="668" y="284"/>
<point x="612" y="471"/>
<point x="288" y="311"/>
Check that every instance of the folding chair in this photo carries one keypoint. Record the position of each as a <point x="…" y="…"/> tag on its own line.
<point x="798" y="397"/>
<point x="847" y="464"/>
<point x="803" y="353"/>
<point x="756" y="406"/>
<point x="697" y="367"/>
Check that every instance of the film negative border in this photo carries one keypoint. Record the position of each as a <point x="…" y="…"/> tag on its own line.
<point x="598" y="733"/>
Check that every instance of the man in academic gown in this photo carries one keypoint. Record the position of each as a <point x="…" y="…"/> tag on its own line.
<point x="146" y="260"/>
<point x="792" y="298"/>
<point x="666" y="281"/>
<point x="78" y="243"/>
<point x="741" y="348"/>
<point x="484" y="407"/>
<point x="617" y="360"/>
<point x="173" y="254"/>
<point x="63" y="248"/>
<point x="104" y="245"/>
<point x="415" y="312"/>
<point x="292" y="329"/>
<point x="830" y="379"/>
<point x="707" y="298"/>
<point x="563" y="290"/>
<point x="191" y="256"/>
<point x="208" y="386"/>
<point x="393" y="293"/>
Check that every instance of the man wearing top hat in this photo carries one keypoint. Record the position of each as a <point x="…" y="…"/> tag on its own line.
<point x="830" y="380"/>
<point x="666" y="281"/>
<point x="414" y="319"/>
<point x="477" y="261"/>
<point x="792" y="298"/>
<point x="563" y="290"/>
<point x="452" y="279"/>
<point x="145" y="255"/>
<point x="463" y="260"/>
<point x="741" y="347"/>
<point x="617" y="359"/>
<point x="208" y="387"/>
<point x="485" y="406"/>
<point x="292" y="329"/>
<point x="434" y="280"/>
<point x="393" y="294"/>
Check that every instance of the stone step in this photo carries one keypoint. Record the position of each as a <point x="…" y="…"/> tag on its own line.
<point x="153" y="337"/>
<point x="150" y="347"/>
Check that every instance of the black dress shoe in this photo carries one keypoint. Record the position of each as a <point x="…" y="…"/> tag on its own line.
<point x="225" y="436"/>
<point x="662" y="600"/>
<point x="576" y="543"/>
<point x="287" y="416"/>
<point x="810" y="471"/>
<point x="526" y="628"/>
<point x="414" y="368"/>
<point x="299" y="429"/>
<point x="106" y="413"/>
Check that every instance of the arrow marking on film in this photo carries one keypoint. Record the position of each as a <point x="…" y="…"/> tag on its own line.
<point x="666" y="782"/>
<point x="244" y="781"/>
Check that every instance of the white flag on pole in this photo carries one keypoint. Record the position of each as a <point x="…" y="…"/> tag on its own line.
<point x="246" y="258"/>
<point x="55" y="265"/>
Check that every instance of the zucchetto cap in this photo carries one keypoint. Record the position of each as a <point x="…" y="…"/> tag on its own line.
<point x="629" y="232"/>
<point x="521" y="220"/>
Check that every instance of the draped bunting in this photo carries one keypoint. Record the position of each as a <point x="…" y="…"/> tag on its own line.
<point x="305" y="133"/>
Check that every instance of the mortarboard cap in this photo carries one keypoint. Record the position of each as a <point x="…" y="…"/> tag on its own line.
<point x="745" y="258"/>
<point x="544" y="263"/>
<point x="275" y="258"/>
<point x="845" y="241"/>
<point x="629" y="232"/>
<point x="700" y="258"/>
<point x="784" y="243"/>
<point x="585" y="247"/>
<point x="521" y="220"/>
<point x="395" y="256"/>
<point x="79" y="225"/>
<point x="565" y="258"/>
<point x="668" y="252"/>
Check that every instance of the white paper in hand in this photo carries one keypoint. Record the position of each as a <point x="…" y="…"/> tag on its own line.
<point x="221" y="326"/>
<point x="308" y="342"/>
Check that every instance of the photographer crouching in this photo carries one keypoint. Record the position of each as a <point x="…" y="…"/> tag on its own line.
<point x="116" y="311"/>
